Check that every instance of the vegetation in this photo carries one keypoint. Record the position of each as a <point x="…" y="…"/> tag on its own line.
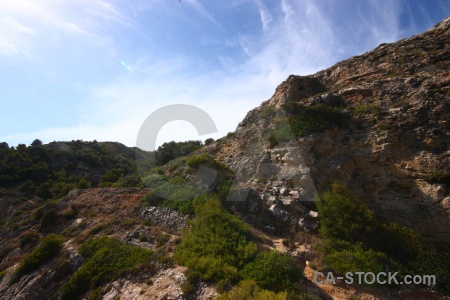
<point x="45" y="251"/>
<point x="106" y="260"/>
<point x="162" y="239"/>
<point x="192" y="278"/>
<point x="303" y="120"/>
<point x="440" y="177"/>
<point x="207" y="160"/>
<point x="51" y="171"/>
<point x="273" y="270"/>
<point x="217" y="245"/>
<point x="171" y="150"/>
<point x="218" y="248"/>
<point x="181" y="194"/>
<point x="356" y="240"/>
<point x="248" y="289"/>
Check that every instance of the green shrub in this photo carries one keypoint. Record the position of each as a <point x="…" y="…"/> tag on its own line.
<point x="29" y="238"/>
<point x="439" y="177"/>
<point x="268" y="112"/>
<point x="272" y="139"/>
<point x="128" y="181"/>
<point x="162" y="239"/>
<point x="316" y="118"/>
<point x="2" y="274"/>
<point x="356" y="241"/>
<point x="84" y="184"/>
<point x="111" y="177"/>
<point x="368" y="109"/>
<point x="248" y="289"/>
<point x="282" y="134"/>
<point x="106" y="260"/>
<point x="209" y="141"/>
<point x="177" y="191"/>
<point x="153" y="180"/>
<point x="150" y="199"/>
<point x="192" y="278"/>
<point x="344" y="216"/>
<point x="46" y="250"/>
<point x="353" y="258"/>
<point x="273" y="270"/>
<point x="171" y="150"/>
<point x="217" y="244"/>
<point x="207" y="160"/>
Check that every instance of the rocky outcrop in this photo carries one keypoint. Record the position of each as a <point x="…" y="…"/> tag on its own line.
<point x="164" y="217"/>
<point x="393" y="153"/>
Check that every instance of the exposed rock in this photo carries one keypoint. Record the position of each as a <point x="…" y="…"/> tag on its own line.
<point x="245" y="200"/>
<point x="390" y="153"/>
<point x="279" y="213"/>
<point x="164" y="217"/>
<point x="309" y="222"/>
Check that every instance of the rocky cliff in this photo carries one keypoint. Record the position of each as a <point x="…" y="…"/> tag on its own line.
<point x="393" y="151"/>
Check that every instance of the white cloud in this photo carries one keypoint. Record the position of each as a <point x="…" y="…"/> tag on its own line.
<point x="299" y="37"/>
<point x="287" y="9"/>
<point x="201" y="9"/>
<point x="265" y="15"/>
<point x="25" y="23"/>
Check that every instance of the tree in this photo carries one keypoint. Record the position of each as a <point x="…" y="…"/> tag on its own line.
<point x="36" y="142"/>
<point x="4" y="145"/>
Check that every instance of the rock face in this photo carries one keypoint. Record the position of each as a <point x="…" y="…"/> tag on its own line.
<point x="394" y="153"/>
<point x="164" y="217"/>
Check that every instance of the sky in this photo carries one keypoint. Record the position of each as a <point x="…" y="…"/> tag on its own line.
<point x="95" y="70"/>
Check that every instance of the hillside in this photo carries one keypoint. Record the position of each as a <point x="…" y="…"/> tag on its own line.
<point x="377" y="123"/>
<point x="344" y="170"/>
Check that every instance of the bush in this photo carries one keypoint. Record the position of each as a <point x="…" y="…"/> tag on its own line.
<point x="192" y="278"/>
<point x="153" y="180"/>
<point x="29" y="238"/>
<point x="273" y="270"/>
<point x="111" y="177"/>
<point x="150" y="199"/>
<point x="106" y="260"/>
<point x="316" y="118"/>
<point x="354" y="258"/>
<point x="46" y="214"/>
<point x="162" y="239"/>
<point x="171" y="150"/>
<point x="209" y="141"/>
<point x="207" y="160"/>
<point x="355" y="240"/>
<point x="128" y="181"/>
<point x="46" y="250"/>
<point x="84" y="184"/>
<point x="439" y="177"/>
<point x="268" y="112"/>
<point x="344" y="216"/>
<point x="217" y="244"/>
<point x="248" y="289"/>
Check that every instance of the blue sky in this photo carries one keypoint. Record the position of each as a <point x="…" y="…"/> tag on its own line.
<point x="89" y="69"/>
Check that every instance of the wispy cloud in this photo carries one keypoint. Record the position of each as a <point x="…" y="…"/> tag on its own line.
<point x="287" y="9"/>
<point x="24" y="23"/>
<point x="298" y="37"/>
<point x="13" y="38"/>
<point x="201" y="9"/>
<point x="265" y="15"/>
